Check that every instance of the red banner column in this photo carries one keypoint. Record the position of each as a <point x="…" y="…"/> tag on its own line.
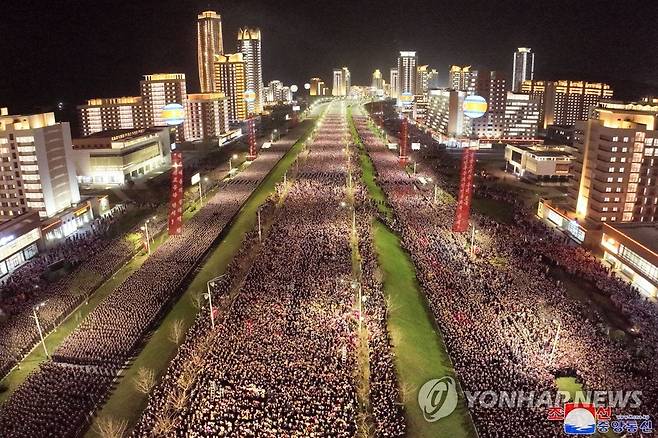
<point x="176" y="201"/>
<point x="463" y="211"/>
<point x="251" y="130"/>
<point x="404" y="125"/>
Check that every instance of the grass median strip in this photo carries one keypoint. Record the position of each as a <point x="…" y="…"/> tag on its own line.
<point x="126" y="402"/>
<point x="420" y="354"/>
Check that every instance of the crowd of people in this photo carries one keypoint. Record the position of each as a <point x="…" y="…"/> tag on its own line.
<point x="111" y="334"/>
<point x="90" y="255"/>
<point x="282" y="359"/>
<point x="510" y="326"/>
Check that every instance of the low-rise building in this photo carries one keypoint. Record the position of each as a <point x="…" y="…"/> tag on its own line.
<point x="632" y="251"/>
<point x="541" y="164"/>
<point x="20" y="240"/>
<point x="114" y="157"/>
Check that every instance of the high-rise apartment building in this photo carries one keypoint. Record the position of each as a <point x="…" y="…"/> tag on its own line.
<point x="274" y="91"/>
<point x="377" y="80"/>
<point x="159" y="90"/>
<point x="209" y="42"/>
<point x="616" y="164"/>
<point x="445" y="113"/>
<point x="524" y="67"/>
<point x="565" y="102"/>
<point x="426" y="79"/>
<point x="206" y="116"/>
<point x="342" y="82"/>
<point x="317" y="87"/>
<point x="493" y="86"/>
<point x="347" y="81"/>
<point x="521" y="116"/>
<point x="249" y="44"/>
<point x="111" y="113"/>
<point x="394" y="82"/>
<point x="407" y="62"/>
<point x="463" y="79"/>
<point x="36" y="168"/>
<point x="337" y="84"/>
<point x="230" y="79"/>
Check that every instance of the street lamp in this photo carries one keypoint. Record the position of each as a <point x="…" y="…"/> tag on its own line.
<point x="260" y="234"/>
<point x="145" y="228"/>
<point x="230" y="163"/>
<point x="557" y="337"/>
<point x="473" y="239"/>
<point x="36" y="320"/>
<point x="209" y="296"/>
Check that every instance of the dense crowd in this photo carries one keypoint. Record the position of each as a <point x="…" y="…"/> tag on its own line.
<point x="507" y="323"/>
<point x="91" y="256"/>
<point x="282" y="359"/>
<point x="110" y="335"/>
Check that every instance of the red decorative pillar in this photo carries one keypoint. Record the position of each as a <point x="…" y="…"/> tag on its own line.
<point x="404" y="138"/>
<point x="251" y="130"/>
<point x="463" y="211"/>
<point x="176" y="201"/>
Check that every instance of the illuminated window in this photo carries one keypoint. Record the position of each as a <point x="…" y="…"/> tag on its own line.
<point x="608" y="189"/>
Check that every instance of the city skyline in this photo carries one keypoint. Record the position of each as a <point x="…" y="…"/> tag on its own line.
<point x="168" y="44"/>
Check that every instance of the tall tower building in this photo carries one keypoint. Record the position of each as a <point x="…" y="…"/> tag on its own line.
<point x="38" y="171"/>
<point x="524" y="67"/>
<point x="616" y="164"/>
<point x="249" y="44"/>
<point x="347" y="82"/>
<point x="341" y="82"/>
<point x="463" y="79"/>
<point x="230" y="79"/>
<point x="407" y="62"/>
<point x="159" y="90"/>
<point x="377" y="80"/>
<point x="317" y="87"/>
<point x="394" y="82"/>
<point x="209" y="44"/>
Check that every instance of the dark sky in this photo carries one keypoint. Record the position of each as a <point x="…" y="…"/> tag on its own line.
<point x="72" y="50"/>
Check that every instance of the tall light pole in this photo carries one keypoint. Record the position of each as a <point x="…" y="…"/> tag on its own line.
<point x="260" y="234"/>
<point x="146" y="231"/>
<point x="473" y="240"/>
<point x="209" y="296"/>
<point x="36" y="320"/>
<point x="230" y="163"/>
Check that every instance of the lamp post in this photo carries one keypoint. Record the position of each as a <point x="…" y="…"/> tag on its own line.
<point x="36" y="320"/>
<point x="230" y="162"/>
<point x="201" y="191"/>
<point x="473" y="239"/>
<point x="260" y="234"/>
<point x="209" y="296"/>
<point x="145" y="228"/>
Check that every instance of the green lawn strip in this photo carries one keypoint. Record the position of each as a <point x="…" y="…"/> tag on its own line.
<point x="420" y="354"/>
<point x="126" y="402"/>
<point x="368" y="171"/>
<point x="54" y="339"/>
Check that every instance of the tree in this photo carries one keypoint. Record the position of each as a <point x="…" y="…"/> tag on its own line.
<point x="110" y="427"/>
<point x="145" y="380"/>
<point x="176" y="331"/>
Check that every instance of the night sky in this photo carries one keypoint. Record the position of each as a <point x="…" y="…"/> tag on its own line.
<point x="73" y="50"/>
